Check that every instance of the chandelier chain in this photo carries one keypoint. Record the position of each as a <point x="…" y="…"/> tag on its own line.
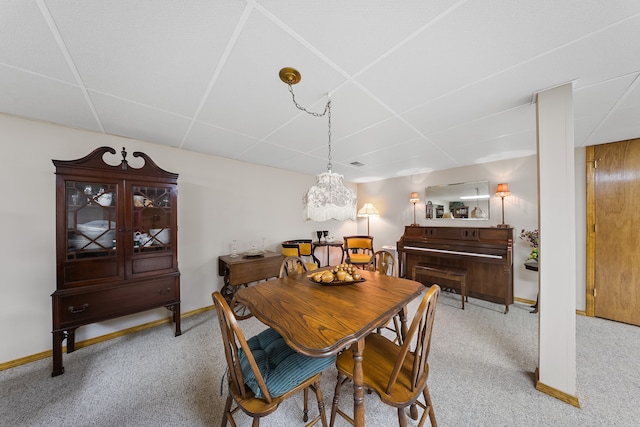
<point x="301" y="108"/>
<point x="327" y="112"/>
<point x="329" y="166"/>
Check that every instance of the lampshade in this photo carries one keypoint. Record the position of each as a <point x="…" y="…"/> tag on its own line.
<point x="414" y="198"/>
<point x="503" y="190"/>
<point x="368" y="210"/>
<point x="329" y="199"/>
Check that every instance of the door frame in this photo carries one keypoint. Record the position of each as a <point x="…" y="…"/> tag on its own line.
<point x="591" y="165"/>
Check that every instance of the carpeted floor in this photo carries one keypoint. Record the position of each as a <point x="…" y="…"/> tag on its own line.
<point x="482" y="365"/>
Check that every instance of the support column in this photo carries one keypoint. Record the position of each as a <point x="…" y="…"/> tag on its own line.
<point x="556" y="373"/>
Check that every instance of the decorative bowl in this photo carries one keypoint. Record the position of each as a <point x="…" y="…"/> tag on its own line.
<point x="98" y="234"/>
<point x="105" y="199"/>
<point x="160" y="236"/>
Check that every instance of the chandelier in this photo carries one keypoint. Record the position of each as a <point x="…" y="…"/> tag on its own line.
<point x="329" y="198"/>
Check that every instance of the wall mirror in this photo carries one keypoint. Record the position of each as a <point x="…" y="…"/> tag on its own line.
<point x="467" y="200"/>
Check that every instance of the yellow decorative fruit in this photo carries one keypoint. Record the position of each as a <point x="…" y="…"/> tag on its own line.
<point x="327" y="276"/>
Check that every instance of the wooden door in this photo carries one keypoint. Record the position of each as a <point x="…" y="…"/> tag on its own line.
<point x="617" y="231"/>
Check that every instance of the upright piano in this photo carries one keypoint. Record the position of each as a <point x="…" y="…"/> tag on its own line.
<point x="485" y="252"/>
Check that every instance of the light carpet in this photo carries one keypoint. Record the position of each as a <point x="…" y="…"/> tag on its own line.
<point x="482" y="367"/>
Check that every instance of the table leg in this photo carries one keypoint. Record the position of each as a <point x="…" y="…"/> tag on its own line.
<point x="358" y="383"/>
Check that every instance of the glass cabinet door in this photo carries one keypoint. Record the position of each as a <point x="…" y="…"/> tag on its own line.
<point x="91" y="219"/>
<point x="152" y="218"/>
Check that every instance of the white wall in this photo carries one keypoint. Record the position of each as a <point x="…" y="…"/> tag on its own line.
<point x="218" y="200"/>
<point x="391" y="198"/>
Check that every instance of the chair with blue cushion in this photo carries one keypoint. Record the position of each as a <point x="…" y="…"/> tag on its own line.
<point x="264" y="370"/>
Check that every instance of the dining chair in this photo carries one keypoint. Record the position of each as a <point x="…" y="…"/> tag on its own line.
<point x="396" y="373"/>
<point x="301" y="248"/>
<point x="292" y="265"/>
<point x="358" y="250"/>
<point x="385" y="263"/>
<point x="263" y="371"/>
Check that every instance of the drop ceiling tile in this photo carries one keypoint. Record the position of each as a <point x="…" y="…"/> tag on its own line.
<point x="120" y="117"/>
<point x="592" y="105"/>
<point x="28" y="43"/>
<point x="352" y="110"/>
<point x="415" y="86"/>
<point x="419" y="154"/>
<point x="308" y="164"/>
<point x="372" y="139"/>
<point x="337" y="28"/>
<point x="497" y="125"/>
<point x="303" y="133"/>
<point x="267" y="154"/>
<point x="158" y="53"/>
<point x="217" y="141"/>
<point x="480" y="43"/>
<point x="35" y="97"/>
<point x="249" y="82"/>
<point x="623" y="124"/>
<point x="499" y="148"/>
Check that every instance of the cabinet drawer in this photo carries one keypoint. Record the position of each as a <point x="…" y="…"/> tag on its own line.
<point x="87" y="307"/>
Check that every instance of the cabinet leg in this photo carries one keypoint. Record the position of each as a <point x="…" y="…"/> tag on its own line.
<point x="176" y="319"/>
<point x="58" y="369"/>
<point x="175" y="309"/>
<point x="71" y="340"/>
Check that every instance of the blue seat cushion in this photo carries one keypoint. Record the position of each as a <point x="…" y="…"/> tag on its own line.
<point x="281" y="367"/>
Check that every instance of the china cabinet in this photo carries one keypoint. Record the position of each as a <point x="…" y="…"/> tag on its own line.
<point x="116" y="250"/>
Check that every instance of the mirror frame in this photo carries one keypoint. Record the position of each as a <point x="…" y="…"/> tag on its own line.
<point x="439" y="200"/>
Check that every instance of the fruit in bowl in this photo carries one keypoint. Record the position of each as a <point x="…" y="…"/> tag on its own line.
<point x="342" y="273"/>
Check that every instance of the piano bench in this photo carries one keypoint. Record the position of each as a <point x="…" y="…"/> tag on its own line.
<point x="453" y="274"/>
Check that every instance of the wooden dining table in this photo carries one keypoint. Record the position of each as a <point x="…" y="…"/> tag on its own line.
<point x="321" y="320"/>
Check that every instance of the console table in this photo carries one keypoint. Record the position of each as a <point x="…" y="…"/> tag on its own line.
<point x="328" y="245"/>
<point x="533" y="266"/>
<point x="242" y="270"/>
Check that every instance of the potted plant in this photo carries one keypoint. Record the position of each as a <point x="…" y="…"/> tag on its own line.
<point x="532" y="237"/>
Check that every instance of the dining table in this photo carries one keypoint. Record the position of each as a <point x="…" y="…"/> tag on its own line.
<point x="322" y="319"/>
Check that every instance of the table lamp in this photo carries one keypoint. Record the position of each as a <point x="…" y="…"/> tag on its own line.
<point x="503" y="191"/>
<point x="414" y="199"/>
<point x="368" y="210"/>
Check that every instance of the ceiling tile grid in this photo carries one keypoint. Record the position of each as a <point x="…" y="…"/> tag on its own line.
<point x="415" y="86"/>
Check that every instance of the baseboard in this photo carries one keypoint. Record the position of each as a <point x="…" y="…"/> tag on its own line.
<point x="560" y="395"/>
<point x="96" y="340"/>
<point x="530" y="302"/>
<point x="524" y="301"/>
